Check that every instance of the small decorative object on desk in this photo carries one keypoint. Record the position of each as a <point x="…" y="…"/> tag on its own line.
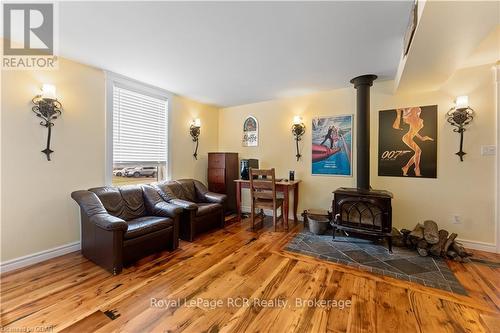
<point x="291" y="175"/>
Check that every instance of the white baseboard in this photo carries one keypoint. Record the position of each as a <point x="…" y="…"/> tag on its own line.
<point x="35" y="258"/>
<point x="475" y="245"/>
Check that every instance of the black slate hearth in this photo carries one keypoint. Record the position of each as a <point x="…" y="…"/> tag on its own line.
<point x="403" y="263"/>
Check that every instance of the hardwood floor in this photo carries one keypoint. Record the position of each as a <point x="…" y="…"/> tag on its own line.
<point x="71" y="294"/>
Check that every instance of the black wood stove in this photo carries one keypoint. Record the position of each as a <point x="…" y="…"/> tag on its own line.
<point x="361" y="209"/>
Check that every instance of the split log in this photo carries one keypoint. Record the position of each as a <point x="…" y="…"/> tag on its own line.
<point x="422" y="252"/>
<point x="405" y="232"/>
<point x="397" y="237"/>
<point x="448" y="243"/>
<point x="431" y="232"/>
<point x="422" y="246"/>
<point x="395" y="232"/>
<point x="409" y="243"/>
<point x="460" y="250"/>
<point x="418" y="232"/>
<point x="437" y="248"/>
<point x="452" y="254"/>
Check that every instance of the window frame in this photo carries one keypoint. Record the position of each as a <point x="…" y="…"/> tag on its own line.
<point x="113" y="79"/>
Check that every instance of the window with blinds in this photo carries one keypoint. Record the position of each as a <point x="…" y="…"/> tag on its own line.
<point x="139" y="136"/>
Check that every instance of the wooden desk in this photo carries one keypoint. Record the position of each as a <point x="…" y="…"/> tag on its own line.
<point x="281" y="186"/>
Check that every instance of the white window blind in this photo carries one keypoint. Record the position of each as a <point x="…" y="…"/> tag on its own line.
<point x="139" y="127"/>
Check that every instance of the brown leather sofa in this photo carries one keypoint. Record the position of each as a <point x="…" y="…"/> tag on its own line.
<point x="202" y="210"/>
<point x="123" y="224"/>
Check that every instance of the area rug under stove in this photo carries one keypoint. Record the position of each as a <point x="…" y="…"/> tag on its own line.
<point x="403" y="263"/>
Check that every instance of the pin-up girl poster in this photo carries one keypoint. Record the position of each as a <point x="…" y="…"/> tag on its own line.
<point x="408" y="142"/>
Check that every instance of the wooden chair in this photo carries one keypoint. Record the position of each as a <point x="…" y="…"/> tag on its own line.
<point x="263" y="196"/>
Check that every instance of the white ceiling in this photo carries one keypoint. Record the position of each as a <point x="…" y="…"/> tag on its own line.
<point x="231" y="53"/>
<point x="439" y="47"/>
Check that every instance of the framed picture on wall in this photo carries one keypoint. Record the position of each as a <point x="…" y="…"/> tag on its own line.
<point x="250" y="132"/>
<point x="332" y="145"/>
<point x="407" y="142"/>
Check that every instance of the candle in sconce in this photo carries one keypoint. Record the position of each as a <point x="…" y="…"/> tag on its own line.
<point x="49" y="92"/>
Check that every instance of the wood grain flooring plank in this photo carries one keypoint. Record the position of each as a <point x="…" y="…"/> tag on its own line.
<point x="394" y="312"/>
<point x="90" y="323"/>
<point x="341" y="288"/>
<point x="362" y="317"/>
<point x="491" y="323"/>
<point x="437" y="315"/>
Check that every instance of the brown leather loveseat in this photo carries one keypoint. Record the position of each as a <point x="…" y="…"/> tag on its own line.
<point x="123" y="224"/>
<point x="202" y="210"/>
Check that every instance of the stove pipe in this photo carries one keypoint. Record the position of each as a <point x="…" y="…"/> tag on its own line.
<point x="362" y="85"/>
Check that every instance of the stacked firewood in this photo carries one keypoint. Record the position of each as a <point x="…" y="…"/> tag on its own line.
<point x="428" y="239"/>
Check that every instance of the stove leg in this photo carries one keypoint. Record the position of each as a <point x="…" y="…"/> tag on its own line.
<point x="333" y="233"/>
<point x="389" y="242"/>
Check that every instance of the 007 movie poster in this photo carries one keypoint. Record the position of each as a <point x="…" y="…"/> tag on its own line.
<point x="407" y="142"/>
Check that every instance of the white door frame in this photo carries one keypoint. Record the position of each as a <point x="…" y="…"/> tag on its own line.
<point x="497" y="165"/>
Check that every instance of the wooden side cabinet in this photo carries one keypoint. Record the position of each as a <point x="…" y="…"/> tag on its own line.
<point x="223" y="170"/>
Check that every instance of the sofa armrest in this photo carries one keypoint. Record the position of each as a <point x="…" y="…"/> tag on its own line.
<point x="97" y="214"/>
<point x="184" y="204"/>
<point x="167" y="209"/>
<point x="109" y="222"/>
<point x="88" y="202"/>
<point x="207" y="196"/>
<point x="215" y="197"/>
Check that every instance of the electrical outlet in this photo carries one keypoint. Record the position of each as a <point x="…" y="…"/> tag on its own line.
<point x="457" y="219"/>
<point x="488" y="150"/>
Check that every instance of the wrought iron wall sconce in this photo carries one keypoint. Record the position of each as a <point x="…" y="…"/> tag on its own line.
<point x="194" y="130"/>
<point x="48" y="108"/>
<point x="460" y="116"/>
<point x="298" y="129"/>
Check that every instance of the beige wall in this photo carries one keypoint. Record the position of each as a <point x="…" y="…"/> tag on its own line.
<point x="466" y="189"/>
<point x="183" y="163"/>
<point x="37" y="211"/>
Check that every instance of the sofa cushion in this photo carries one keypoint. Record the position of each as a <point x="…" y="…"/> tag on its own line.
<point x="183" y="189"/>
<point x="125" y="202"/>
<point x="146" y="224"/>
<point x="134" y="201"/>
<point x="207" y="208"/>
<point x="168" y="190"/>
<point x="188" y="189"/>
<point x="111" y="199"/>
